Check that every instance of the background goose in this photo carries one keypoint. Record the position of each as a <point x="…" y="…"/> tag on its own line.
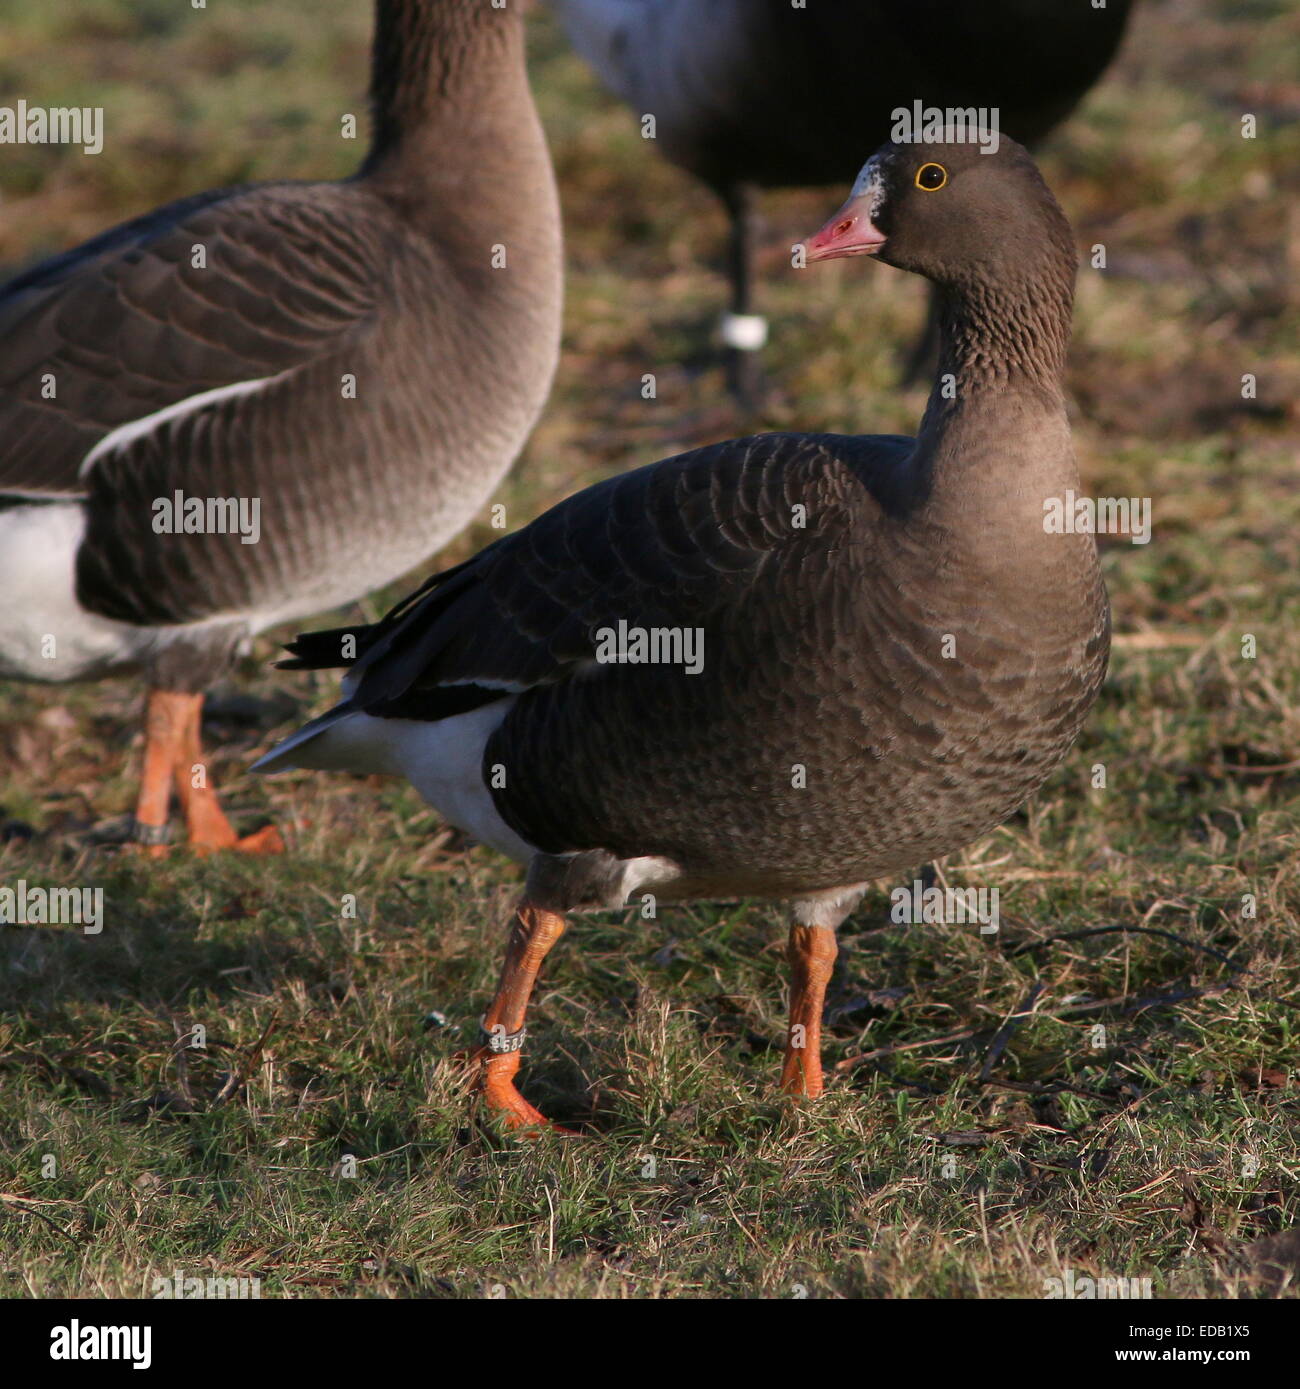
<point x="750" y="94"/>
<point x="356" y="364"/>
<point x="894" y="652"/>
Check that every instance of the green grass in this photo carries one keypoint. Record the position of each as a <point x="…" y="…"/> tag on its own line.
<point x="1159" y="1148"/>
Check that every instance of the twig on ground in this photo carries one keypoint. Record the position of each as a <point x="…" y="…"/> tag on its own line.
<point x="183" y="1037"/>
<point x="1024" y="946"/>
<point x="1008" y="1030"/>
<point x="237" y="1078"/>
<point x="29" y="1208"/>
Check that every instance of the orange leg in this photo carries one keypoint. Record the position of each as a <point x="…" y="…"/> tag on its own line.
<point x="205" y="821"/>
<point x="532" y="934"/>
<point x="173" y="753"/>
<point x="164" y="728"/>
<point x="812" y="952"/>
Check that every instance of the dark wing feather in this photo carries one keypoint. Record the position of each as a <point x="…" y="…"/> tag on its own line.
<point x="127" y="324"/>
<point x="666" y="545"/>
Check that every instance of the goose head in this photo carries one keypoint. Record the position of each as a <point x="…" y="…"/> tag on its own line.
<point x="950" y="212"/>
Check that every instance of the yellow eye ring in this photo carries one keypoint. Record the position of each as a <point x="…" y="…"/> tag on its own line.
<point x="926" y="175"/>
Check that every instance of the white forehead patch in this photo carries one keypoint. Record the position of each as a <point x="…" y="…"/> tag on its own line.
<point x="870" y="184"/>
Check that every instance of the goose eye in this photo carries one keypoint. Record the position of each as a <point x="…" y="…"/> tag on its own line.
<point x="931" y="177"/>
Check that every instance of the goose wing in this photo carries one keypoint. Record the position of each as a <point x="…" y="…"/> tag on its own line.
<point x="162" y="314"/>
<point x="678" y="543"/>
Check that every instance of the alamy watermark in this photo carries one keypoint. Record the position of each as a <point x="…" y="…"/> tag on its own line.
<point x="946" y="125"/>
<point x="52" y="906"/>
<point x="1085" y="1288"/>
<point x="182" y="515"/>
<point x="53" y="125"/>
<point x="946" y="906"/>
<point x="212" y="1289"/>
<point x="1075" y="515"/>
<point x="629" y="645"/>
<point x="75" y="1341"/>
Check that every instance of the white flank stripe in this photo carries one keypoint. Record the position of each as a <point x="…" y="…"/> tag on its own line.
<point x="128" y="433"/>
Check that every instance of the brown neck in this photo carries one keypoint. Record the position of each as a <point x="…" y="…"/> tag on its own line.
<point x="995" y="437"/>
<point x="1010" y="336"/>
<point x="440" y="63"/>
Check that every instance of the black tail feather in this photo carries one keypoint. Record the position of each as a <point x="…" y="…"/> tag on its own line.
<point x="328" y="650"/>
<point x="344" y="646"/>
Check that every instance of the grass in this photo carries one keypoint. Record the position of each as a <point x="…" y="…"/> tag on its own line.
<point x="1160" y="1146"/>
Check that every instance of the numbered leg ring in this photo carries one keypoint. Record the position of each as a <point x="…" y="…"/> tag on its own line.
<point x="497" y="1039"/>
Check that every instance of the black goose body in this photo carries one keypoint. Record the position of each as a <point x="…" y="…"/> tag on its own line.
<point x="347" y="355"/>
<point x="895" y="652"/>
<point x="762" y="92"/>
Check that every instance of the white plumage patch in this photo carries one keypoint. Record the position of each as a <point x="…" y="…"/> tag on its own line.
<point x="442" y="760"/>
<point x="128" y="433"/>
<point x="870" y="181"/>
<point x="45" y="634"/>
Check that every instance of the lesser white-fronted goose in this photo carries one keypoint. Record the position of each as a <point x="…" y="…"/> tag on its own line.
<point x="751" y="94"/>
<point x="880" y="652"/>
<point x="329" y="378"/>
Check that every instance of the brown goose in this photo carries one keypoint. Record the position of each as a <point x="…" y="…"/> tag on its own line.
<point x="752" y="94"/>
<point x="261" y="402"/>
<point x="871" y="651"/>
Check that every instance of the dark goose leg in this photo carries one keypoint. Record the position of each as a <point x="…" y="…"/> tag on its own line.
<point x="743" y="332"/>
<point x="532" y="934"/>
